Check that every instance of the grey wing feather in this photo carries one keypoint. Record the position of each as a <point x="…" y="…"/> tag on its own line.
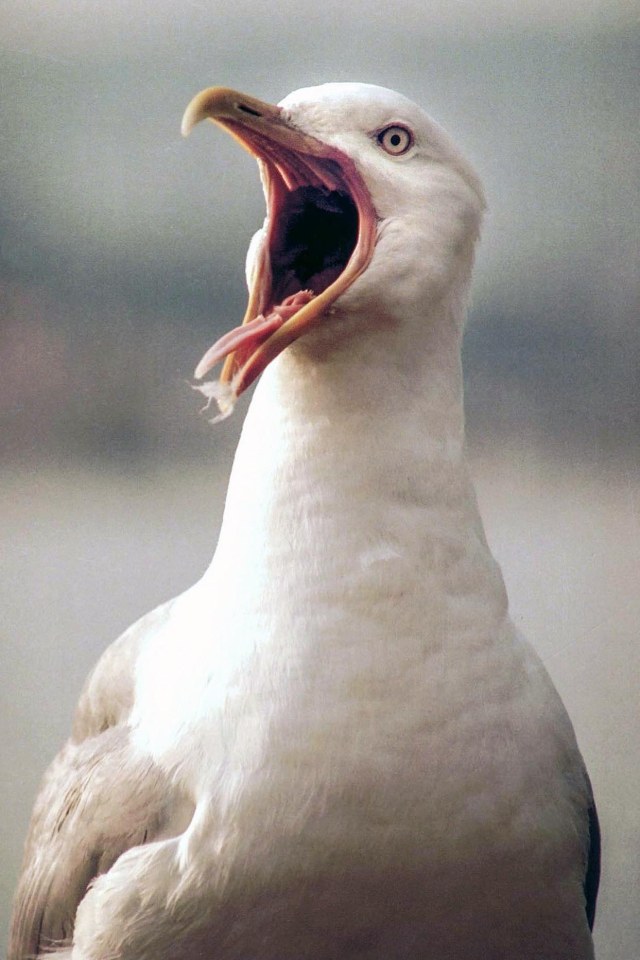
<point x="98" y="799"/>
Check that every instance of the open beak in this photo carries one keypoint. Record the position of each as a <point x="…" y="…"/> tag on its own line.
<point x="321" y="233"/>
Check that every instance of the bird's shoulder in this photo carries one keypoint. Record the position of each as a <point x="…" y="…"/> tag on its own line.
<point x="572" y="767"/>
<point x="99" y="798"/>
<point x="108" y="693"/>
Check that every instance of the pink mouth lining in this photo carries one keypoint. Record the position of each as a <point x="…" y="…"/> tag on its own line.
<point x="246" y="338"/>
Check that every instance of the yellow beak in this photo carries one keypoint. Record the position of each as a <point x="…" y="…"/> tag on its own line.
<point x="291" y="160"/>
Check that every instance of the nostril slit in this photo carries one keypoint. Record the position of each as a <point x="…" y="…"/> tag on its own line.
<point x="250" y="110"/>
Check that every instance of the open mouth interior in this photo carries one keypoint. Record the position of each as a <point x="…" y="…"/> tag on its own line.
<point x="312" y="238"/>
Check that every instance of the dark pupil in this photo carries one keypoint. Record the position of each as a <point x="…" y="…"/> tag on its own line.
<point x="395" y="139"/>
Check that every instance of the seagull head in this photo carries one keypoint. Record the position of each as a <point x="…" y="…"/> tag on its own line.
<point x="368" y="200"/>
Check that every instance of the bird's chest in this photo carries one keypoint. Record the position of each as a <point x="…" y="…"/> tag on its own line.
<point x="355" y="810"/>
<point x="345" y="679"/>
<point x="345" y="729"/>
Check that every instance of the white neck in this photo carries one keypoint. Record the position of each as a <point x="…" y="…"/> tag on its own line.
<point x="351" y="469"/>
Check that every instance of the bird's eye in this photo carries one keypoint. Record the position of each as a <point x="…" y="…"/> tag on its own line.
<point x="395" y="139"/>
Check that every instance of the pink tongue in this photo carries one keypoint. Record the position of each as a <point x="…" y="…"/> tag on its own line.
<point x="253" y="333"/>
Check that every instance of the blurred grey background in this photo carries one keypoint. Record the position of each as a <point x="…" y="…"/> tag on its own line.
<point x="121" y="259"/>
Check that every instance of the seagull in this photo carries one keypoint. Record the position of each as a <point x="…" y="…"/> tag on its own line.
<point x="335" y="745"/>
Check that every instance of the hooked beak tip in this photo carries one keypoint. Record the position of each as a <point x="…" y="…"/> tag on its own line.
<point x="189" y="120"/>
<point x="198" y="109"/>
